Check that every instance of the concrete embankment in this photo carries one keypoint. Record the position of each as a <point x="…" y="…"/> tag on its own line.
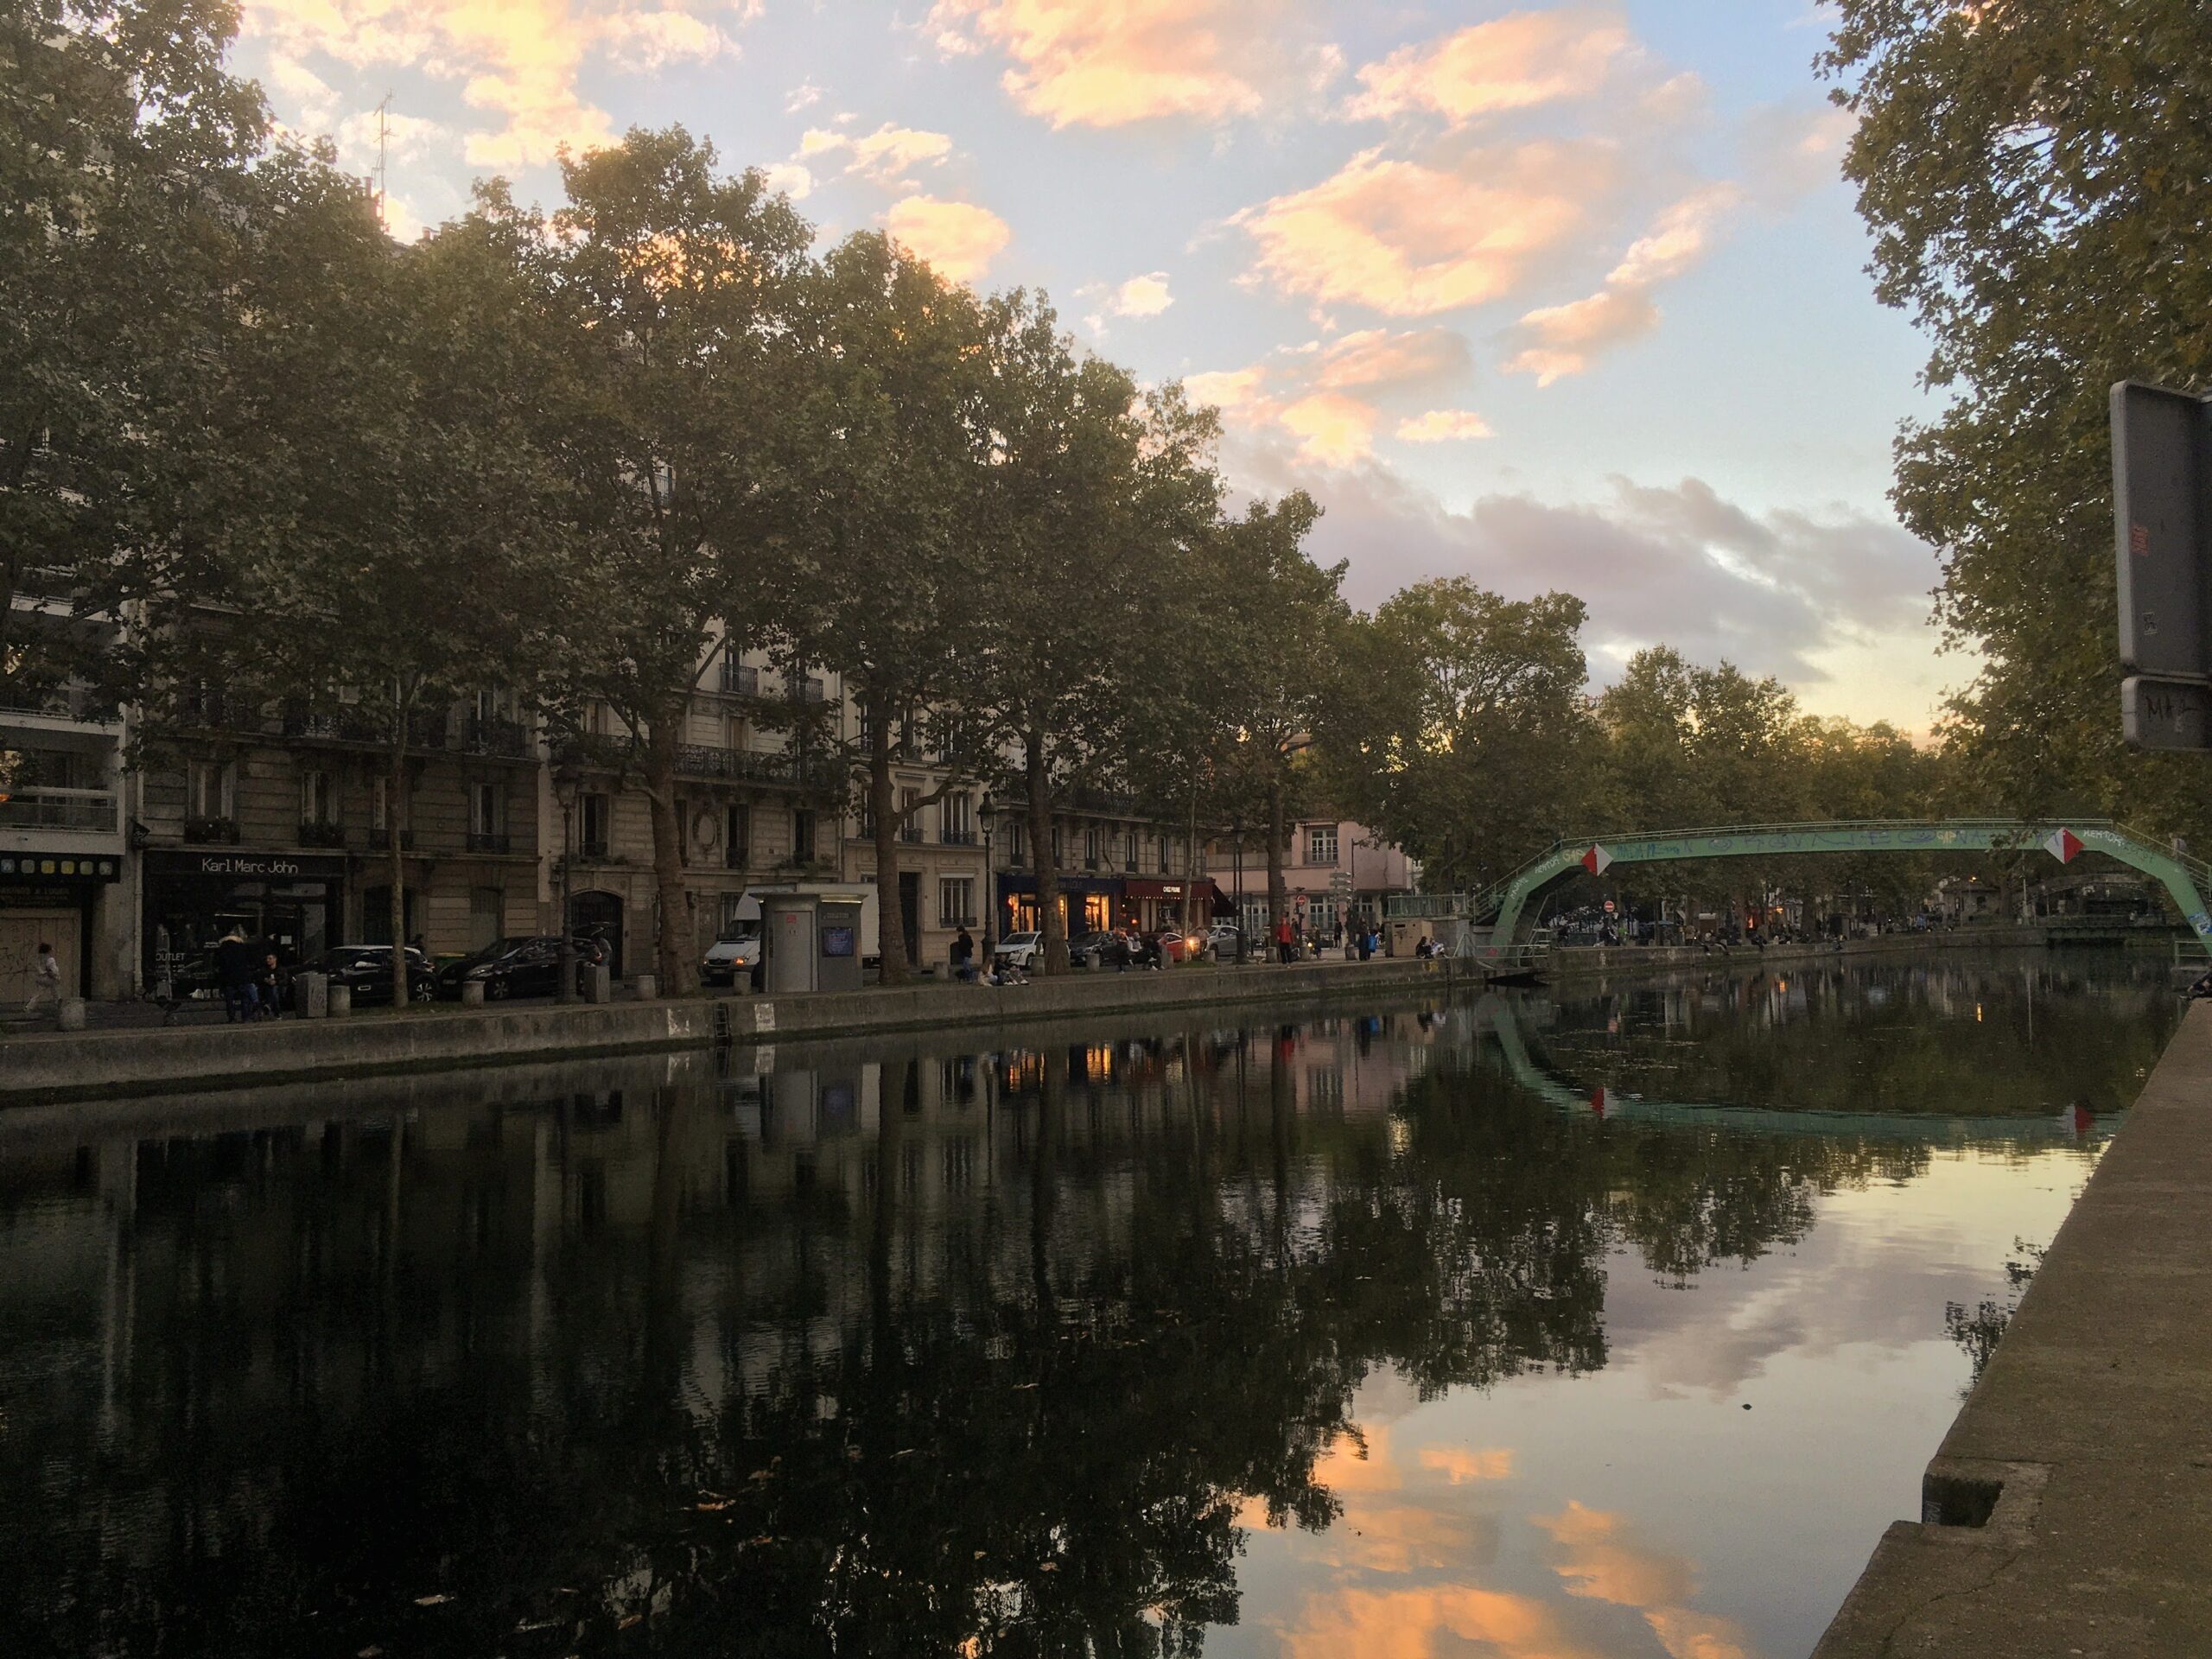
<point x="57" y="1066"/>
<point x="2068" y="1512"/>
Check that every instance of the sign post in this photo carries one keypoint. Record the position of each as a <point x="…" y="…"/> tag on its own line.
<point x="2162" y="513"/>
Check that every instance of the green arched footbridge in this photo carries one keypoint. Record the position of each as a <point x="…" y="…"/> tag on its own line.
<point x="1509" y="907"/>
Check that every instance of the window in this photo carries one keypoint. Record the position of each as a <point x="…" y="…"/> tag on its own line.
<point x="484" y="809"/>
<point x="955" y="901"/>
<point x="736" y="734"/>
<point x="1130" y="861"/>
<point x="594" y="817"/>
<point x="1092" y="845"/>
<point x="802" y="835"/>
<point x="1321" y="843"/>
<point x="380" y="806"/>
<point x="960" y="820"/>
<point x="910" y="811"/>
<point x="683" y="809"/>
<point x="737" y="836"/>
<point x="1165" y="866"/>
<point x="1059" y="856"/>
<point x="207" y="789"/>
<point x="316" y="803"/>
<point x="1016" y="838"/>
<point x="737" y="678"/>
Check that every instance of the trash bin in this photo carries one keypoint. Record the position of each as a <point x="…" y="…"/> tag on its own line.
<point x="341" y="1001"/>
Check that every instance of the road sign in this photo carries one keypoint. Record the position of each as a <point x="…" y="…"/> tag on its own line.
<point x="2165" y="713"/>
<point x="2162" y="523"/>
<point x="1340" y="882"/>
<point x="1609" y="906"/>
<point x="1597" y="860"/>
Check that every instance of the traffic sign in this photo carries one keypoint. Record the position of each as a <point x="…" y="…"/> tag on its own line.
<point x="2162" y="526"/>
<point x="1609" y="906"/>
<point x="2165" y="713"/>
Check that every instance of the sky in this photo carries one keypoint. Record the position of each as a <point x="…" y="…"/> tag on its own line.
<point x="1563" y="295"/>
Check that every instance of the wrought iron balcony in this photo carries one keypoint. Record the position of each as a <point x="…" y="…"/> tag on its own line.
<point x="757" y="766"/>
<point x="317" y="834"/>
<point x="341" y="725"/>
<point x="593" y="749"/>
<point x="494" y="735"/>
<point x="911" y="833"/>
<point x="381" y="839"/>
<point x="484" y="841"/>
<point x="739" y="681"/>
<point x="737" y="858"/>
<point x="957" y="837"/>
<point x="211" y="831"/>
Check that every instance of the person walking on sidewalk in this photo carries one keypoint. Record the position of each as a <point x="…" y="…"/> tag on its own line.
<point x="46" y="982"/>
<point x="1285" y="942"/>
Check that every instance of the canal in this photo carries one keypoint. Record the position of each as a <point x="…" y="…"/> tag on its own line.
<point x="1609" y="1326"/>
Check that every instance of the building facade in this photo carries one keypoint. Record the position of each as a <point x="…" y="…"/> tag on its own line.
<point x="1335" y="872"/>
<point x="63" y="852"/>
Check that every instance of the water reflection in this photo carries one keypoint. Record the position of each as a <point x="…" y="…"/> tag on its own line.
<point x="1350" y="1337"/>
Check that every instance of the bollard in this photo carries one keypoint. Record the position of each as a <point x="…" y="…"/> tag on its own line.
<point x="471" y="993"/>
<point x="69" y="1015"/>
<point x="310" y="995"/>
<point x="340" y="1002"/>
<point x="599" y="984"/>
<point x="648" y="987"/>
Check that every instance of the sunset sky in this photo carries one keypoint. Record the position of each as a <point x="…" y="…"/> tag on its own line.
<point x="1566" y="297"/>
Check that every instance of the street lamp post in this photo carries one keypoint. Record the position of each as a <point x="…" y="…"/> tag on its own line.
<point x="986" y="816"/>
<point x="566" y="777"/>
<point x="1236" y="830"/>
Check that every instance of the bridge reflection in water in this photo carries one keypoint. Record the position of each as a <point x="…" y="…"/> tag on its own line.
<point x="1346" y="1337"/>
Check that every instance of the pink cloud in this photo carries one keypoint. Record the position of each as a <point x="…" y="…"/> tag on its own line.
<point x="1443" y="426"/>
<point x="1108" y="63"/>
<point x="1410" y="238"/>
<point x="958" y="238"/>
<point x="1514" y="62"/>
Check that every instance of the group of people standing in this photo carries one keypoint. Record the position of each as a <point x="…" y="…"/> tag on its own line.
<point x="251" y="980"/>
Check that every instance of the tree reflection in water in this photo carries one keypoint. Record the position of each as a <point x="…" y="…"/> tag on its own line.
<point x="888" y="1351"/>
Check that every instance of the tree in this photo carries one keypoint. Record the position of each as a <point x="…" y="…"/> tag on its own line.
<point x="1277" y="666"/>
<point x="126" y="182"/>
<point x="880" y="478"/>
<point x="391" y="406"/>
<point x="679" y="284"/>
<point x="1461" y="731"/>
<point x="1095" y="495"/>
<point x="2039" y="182"/>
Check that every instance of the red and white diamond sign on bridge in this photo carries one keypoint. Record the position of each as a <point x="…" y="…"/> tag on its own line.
<point x="2062" y="845"/>
<point x="1597" y="860"/>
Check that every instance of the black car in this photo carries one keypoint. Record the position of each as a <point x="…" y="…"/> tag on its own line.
<point x="527" y="966"/>
<point x="1106" y="949"/>
<point x="365" y="970"/>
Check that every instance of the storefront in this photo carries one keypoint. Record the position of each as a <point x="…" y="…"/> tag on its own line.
<point x="1089" y="903"/>
<point x="51" y="899"/>
<point x="293" y="901"/>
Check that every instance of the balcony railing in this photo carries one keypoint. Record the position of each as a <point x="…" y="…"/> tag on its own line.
<point x="591" y="749"/>
<point x="737" y="858"/>
<point x="593" y="850"/>
<point x="739" y="681"/>
<point x="381" y="839"/>
<point x="212" y="832"/>
<point x="484" y="841"/>
<point x="59" y="808"/>
<point x="757" y="766"/>
<point x="911" y="833"/>
<point x="333" y="725"/>
<point x="314" y="832"/>
<point x="55" y="702"/>
<point x="957" y="837"/>
<point x="494" y="735"/>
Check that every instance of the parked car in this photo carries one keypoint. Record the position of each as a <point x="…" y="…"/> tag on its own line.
<point x="1020" y="950"/>
<point x="727" y="956"/>
<point x="1104" y="949"/>
<point x="518" y="967"/>
<point x="365" y="970"/>
<point x="1175" y="944"/>
<point x="1224" y="940"/>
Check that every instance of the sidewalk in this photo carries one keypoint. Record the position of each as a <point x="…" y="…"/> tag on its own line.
<point x="2068" y="1512"/>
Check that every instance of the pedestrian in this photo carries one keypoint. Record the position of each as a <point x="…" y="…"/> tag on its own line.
<point x="1366" y="945"/>
<point x="1285" y="942"/>
<point x="963" y="956"/>
<point x="234" y="973"/>
<point x="46" y="982"/>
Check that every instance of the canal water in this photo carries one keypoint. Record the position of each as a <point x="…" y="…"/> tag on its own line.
<point x="1608" y="1326"/>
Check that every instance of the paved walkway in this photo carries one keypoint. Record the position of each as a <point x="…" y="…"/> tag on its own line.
<point x="2068" y="1512"/>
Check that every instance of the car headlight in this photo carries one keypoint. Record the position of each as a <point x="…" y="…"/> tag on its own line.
<point x="484" y="972"/>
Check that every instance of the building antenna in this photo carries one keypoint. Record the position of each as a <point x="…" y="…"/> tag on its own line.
<point x="383" y="130"/>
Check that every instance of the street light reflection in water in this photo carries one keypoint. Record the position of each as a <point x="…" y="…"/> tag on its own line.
<point x="1612" y="1325"/>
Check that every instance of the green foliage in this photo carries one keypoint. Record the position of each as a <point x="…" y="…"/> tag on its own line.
<point x="2039" y="181"/>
